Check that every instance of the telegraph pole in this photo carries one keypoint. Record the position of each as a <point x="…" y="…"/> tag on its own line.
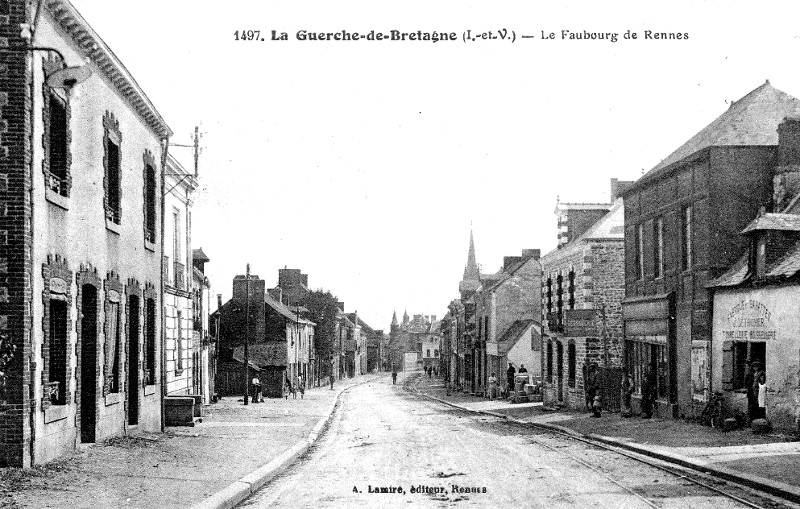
<point x="247" y="336"/>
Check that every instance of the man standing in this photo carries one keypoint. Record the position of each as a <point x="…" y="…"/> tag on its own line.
<point x="648" y="392"/>
<point x="752" y="395"/>
<point x="510" y="372"/>
<point x="591" y="385"/>
<point x="394" y="377"/>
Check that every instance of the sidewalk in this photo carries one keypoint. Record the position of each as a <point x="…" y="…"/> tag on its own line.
<point x="178" y="468"/>
<point x="739" y="455"/>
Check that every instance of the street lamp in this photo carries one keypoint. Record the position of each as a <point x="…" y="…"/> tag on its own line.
<point x="247" y="336"/>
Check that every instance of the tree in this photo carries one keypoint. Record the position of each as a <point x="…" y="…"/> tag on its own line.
<point x="323" y="309"/>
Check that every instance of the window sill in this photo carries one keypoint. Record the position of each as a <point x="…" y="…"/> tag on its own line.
<point x="56" y="199"/>
<point x="150" y="246"/>
<point x="56" y="413"/>
<point x="113" y="227"/>
<point x="149" y="390"/>
<point x="112" y="398"/>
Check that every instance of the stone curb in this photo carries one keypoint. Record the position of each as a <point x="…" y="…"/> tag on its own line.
<point x="233" y="494"/>
<point x="775" y="488"/>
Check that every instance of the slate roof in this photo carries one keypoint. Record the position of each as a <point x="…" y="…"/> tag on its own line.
<point x="752" y="120"/>
<point x="199" y="255"/>
<point x="516" y="330"/>
<point x="271" y="353"/>
<point x="284" y="310"/>
<point x="773" y="221"/>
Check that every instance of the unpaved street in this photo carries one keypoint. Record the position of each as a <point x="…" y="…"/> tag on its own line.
<point x="385" y="438"/>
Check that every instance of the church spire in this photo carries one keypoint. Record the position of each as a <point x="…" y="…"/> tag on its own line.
<point x="472" y="275"/>
<point x="394" y="318"/>
<point x="405" y="316"/>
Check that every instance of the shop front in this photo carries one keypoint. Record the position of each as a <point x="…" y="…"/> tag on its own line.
<point x="759" y="325"/>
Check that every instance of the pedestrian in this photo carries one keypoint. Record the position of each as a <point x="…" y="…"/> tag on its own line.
<point x="436" y="372"/>
<point x="295" y="384"/>
<point x="760" y="389"/>
<point x="330" y="378"/>
<point x="591" y="385"/>
<point x="492" y="386"/>
<point x="430" y="373"/>
<point x="752" y="393"/>
<point x="394" y="377"/>
<point x="256" y="384"/>
<point x="301" y="386"/>
<point x="287" y="386"/>
<point x="626" y="390"/>
<point x="648" y="393"/>
<point x="522" y="369"/>
<point x="510" y="372"/>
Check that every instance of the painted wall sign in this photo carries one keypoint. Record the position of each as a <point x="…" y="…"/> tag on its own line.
<point x="748" y="320"/>
<point x="580" y="322"/>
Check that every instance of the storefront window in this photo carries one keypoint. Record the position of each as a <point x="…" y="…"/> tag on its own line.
<point x="641" y="357"/>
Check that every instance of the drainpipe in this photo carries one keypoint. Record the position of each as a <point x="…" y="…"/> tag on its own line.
<point x="163" y="338"/>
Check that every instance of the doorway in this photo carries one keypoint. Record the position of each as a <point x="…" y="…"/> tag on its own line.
<point x="88" y="363"/>
<point x="133" y="360"/>
<point x="560" y="370"/>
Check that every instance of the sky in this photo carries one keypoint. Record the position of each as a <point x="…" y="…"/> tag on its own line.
<point x="366" y="163"/>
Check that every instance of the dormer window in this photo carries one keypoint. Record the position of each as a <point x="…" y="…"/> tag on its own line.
<point x="761" y="255"/>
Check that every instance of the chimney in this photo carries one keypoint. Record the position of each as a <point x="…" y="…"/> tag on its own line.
<point x="786" y="182"/>
<point x="618" y="187"/>
<point x="531" y="253"/>
<point x="219" y="300"/>
<point x="276" y="293"/>
<point x="508" y="261"/>
<point x="257" y="288"/>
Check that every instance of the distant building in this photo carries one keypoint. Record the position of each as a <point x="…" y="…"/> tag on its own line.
<point x="407" y="339"/>
<point x="204" y="349"/>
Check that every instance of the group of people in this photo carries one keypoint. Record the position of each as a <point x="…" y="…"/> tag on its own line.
<point x="293" y="388"/>
<point x="511" y="372"/>
<point x="431" y="371"/>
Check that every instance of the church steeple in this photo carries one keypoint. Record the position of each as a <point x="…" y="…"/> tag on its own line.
<point x="394" y="319"/>
<point x="472" y="275"/>
<point x="405" y="317"/>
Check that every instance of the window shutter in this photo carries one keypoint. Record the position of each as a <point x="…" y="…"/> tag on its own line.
<point x="727" y="365"/>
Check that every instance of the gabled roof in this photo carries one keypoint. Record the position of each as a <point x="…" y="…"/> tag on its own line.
<point x="516" y="331"/>
<point x="751" y="121"/>
<point x="284" y="311"/>
<point x="199" y="255"/>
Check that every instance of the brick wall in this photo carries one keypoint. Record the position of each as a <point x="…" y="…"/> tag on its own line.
<point x="15" y="233"/>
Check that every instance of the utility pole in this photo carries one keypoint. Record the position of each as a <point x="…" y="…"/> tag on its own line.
<point x="247" y="336"/>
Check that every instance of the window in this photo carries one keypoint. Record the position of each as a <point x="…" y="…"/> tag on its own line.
<point x="643" y="358"/>
<point x="571" y="288"/>
<point x="639" y="251"/>
<point x="150" y="341"/>
<point x="560" y="301"/>
<point x="571" y="364"/>
<point x="428" y="352"/>
<point x="686" y="233"/>
<point x="149" y="198"/>
<point x="549" y="295"/>
<point x="549" y="360"/>
<point x="57" y="144"/>
<point x="436" y="353"/>
<point x="113" y="171"/>
<point x="178" y="342"/>
<point x="658" y="247"/>
<point x="486" y="327"/>
<point x="58" y="352"/>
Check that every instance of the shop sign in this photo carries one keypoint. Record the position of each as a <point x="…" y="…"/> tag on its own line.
<point x="580" y="322"/>
<point x="748" y="320"/>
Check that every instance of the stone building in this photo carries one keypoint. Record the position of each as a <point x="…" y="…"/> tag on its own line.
<point x="81" y="159"/>
<point x="511" y="295"/>
<point x="406" y="340"/>
<point x="582" y="288"/>
<point x="755" y="302"/>
<point x="180" y="348"/>
<point x="469" y="346"/>
<point x="682" y="229"/>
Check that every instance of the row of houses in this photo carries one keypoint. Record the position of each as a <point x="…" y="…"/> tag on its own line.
<point x="103" y="300"/>
<point x="271" y="334"/>
<point x="689" y="273"/>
